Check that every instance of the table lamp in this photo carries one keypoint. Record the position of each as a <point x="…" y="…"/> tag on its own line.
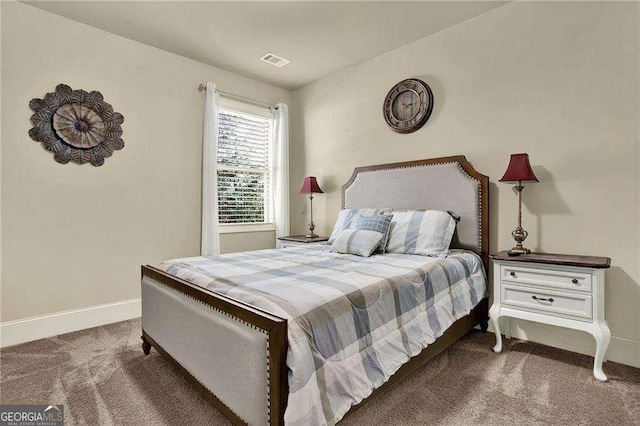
<point x="310" y="186"/>
<point x="519" y="170"/>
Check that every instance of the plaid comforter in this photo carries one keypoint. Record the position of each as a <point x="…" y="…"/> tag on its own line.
<point x="352" y="321"/>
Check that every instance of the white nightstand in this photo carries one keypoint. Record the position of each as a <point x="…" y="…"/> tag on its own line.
<point x="301" y="241"/>
<point x="561" y="290"/>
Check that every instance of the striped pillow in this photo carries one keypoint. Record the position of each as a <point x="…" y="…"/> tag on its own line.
<point x="380" y="223"/>
<point x="347" y="219"/>
<point x="356" y="241"/>
<point x="427" y="233"/>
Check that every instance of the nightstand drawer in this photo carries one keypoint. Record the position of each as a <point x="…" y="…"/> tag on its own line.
<point x="573" y="304"/>
<point x="569" y="280"/>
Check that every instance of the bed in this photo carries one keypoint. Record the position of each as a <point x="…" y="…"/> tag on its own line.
<point x="269" y="336"/>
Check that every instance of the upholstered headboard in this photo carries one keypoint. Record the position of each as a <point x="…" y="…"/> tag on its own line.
<point x="447" y="183"/>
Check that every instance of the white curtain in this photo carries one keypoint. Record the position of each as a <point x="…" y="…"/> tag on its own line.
<point x="281" y="172"/>
<point x="210" y="235"/>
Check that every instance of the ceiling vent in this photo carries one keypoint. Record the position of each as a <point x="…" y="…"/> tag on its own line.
<point x="274" y="60"/>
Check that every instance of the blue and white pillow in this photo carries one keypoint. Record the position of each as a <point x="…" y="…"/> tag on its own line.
<point x="426" y="233"/>
<point x="357" y="241"/>
<point x="347" y="219"/>
<point x="380" y="223"/>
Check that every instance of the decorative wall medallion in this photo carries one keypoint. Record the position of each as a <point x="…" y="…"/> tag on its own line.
<point x="76" y="126"/>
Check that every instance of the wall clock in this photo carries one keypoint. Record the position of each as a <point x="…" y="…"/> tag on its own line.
<point x="408" y="105"/>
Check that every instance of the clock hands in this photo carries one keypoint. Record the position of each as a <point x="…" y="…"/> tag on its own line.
<point x="408" y="105"/>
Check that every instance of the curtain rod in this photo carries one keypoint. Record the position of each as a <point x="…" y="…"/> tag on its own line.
<point x="243" y="98"/>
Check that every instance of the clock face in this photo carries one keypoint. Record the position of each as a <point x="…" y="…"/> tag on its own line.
<point x="408" y="105"/>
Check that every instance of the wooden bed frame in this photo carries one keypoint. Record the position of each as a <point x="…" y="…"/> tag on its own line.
<point x="276" y="327"/>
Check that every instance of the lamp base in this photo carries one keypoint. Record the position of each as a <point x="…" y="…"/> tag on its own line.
<point x="519" y="235"/>
<point x="311" y="234"/>
<point x="517" y="251"/>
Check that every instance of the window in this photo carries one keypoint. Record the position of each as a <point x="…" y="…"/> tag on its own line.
<point x="244" y="165"/>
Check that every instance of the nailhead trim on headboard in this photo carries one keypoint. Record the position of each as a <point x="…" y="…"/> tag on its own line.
<point x="415" y="166"/>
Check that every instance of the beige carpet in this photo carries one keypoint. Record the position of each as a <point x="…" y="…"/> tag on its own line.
<point x="102" y="377"/>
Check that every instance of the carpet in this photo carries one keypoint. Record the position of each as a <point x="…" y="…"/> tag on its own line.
<point x="102" y="378"/>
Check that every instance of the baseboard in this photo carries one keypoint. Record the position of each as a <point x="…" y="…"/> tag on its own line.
<point x="29" y="329"/>
<point x="625" y="351"/>
<point x="621" y="350"/>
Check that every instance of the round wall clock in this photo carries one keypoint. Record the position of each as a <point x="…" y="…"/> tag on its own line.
<point x="408" y="105"/>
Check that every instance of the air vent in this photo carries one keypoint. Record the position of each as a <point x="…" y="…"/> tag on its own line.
<point x="274" y="60"/>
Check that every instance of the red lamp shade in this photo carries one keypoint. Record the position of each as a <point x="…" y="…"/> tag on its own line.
<point x="519" y="169"/>
<point x="310" y="186"/>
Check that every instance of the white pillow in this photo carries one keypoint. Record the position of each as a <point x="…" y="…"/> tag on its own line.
<point x="357" y="241"/>
<point x="347" y="219"/>
<point x="426" y="233"/>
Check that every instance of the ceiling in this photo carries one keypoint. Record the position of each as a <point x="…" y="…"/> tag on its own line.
<point x="318" y="37"/>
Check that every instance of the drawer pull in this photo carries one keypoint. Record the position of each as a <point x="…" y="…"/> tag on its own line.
<point x="513" y="274"/>
<point x="575" y="281"/>
<point x="542" y="299"/>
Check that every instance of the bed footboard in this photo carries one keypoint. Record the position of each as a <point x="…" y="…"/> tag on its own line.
<point x="235" y="354"/>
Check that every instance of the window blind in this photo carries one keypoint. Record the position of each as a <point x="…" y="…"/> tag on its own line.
<point x="244" y="168"/>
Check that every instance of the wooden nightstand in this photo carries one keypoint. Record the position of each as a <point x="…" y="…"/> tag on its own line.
<point x="301" y="241"/>
<point x="556" y="289"/>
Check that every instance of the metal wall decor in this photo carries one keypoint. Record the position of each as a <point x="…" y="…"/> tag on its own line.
<point x="76" y="126"/>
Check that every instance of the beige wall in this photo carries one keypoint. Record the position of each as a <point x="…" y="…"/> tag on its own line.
<point x="75" y="236"/>
<point x="243" y="241"/>
<point x="559" y="81"/>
